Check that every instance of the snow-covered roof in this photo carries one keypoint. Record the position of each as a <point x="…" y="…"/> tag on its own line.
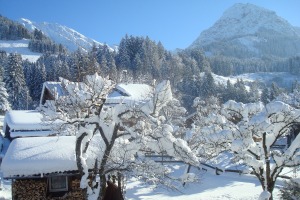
<point x="125" y="93"/>
<point x="28" y="122"/>
<point x="43" y="155"/>
<point x="42" y="133"/>
<point x="55" y="86"/>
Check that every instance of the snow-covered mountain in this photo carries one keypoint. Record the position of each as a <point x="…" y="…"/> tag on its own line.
<point x="246" y="30"/>
<point x="60" y="34"/>
<point x="298" y="30"/>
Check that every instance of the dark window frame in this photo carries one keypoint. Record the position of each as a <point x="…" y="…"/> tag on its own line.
<point x="63" y="189"/>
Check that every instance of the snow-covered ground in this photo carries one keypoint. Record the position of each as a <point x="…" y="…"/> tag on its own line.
<point x="211" y="187"/>
<point x="282" y="79"/>
<point x="20" y="47"/>
<point x="227" y="186"/>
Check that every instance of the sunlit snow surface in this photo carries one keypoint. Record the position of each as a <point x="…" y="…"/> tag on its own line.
<point x="129" y="93"/>
<point x="228" y="186"/>
<point x="20" y="47"/>
<point x="282" y="79"/>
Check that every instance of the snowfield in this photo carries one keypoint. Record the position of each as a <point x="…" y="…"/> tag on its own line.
<point x="282" y="79"/>
<point x="210" y="187"/>
<point x="20" y="47"/>
<point x="227" y="186"/>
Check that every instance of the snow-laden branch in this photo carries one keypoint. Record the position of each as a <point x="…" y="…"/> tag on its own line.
<point x="125" y="130"/>
<point x="250" y="132"/>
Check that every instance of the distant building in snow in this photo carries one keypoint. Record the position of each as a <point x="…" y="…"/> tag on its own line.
<point x="25" y="123"/>
<point x="51" y="90"/>
<point x="129" y="93"/>
<point x="122" y="93"/>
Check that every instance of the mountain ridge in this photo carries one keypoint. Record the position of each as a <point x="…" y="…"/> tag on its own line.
<point x="248" y="29"/>
<point x="64" y="35"/>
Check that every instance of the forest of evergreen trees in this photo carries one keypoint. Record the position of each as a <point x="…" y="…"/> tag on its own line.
<point x="138" y="59"/>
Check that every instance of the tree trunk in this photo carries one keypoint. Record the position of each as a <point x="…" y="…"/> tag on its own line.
<point x="78" y="159"/>
<point x="269" y="180"/>
<point x="270" y="188"/>
<point x="105" y="159"/>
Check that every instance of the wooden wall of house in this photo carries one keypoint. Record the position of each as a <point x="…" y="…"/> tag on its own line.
<point x="47" y="96"/>
<point x="29" y="189"/>
<point x="37" y="189"/>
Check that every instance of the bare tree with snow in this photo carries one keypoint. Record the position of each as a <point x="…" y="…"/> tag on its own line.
<point x="127" y="130"/>
<point x="251" y="132"/>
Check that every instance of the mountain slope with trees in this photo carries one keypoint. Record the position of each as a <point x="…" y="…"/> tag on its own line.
<point x="69" y="38"/>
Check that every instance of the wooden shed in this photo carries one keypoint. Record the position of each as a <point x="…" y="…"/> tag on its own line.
<point x="26" y="123"/>
<point x="45" y="167"/>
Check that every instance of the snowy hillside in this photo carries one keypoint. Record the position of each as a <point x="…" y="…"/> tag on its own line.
<point x="20" y="47"/>
<point x="282" y="79"/>
<point x="60" y="34"/>
<point x="249" y="29"/>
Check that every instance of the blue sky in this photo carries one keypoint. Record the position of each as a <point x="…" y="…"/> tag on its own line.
<point x="176" y="23"/>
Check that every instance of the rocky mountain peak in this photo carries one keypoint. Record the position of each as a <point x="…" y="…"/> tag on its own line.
<point x="246" y="28"/>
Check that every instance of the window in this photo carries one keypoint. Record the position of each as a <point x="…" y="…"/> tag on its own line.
<point x="58" y="183"/>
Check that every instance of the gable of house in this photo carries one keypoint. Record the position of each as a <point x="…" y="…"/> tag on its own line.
<point x="51" y="91"/>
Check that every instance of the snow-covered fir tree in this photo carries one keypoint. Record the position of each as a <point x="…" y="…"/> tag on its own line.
<point x="35" y="74"/>
<point x="4" y="104"/>
<point x="15" y="83"/>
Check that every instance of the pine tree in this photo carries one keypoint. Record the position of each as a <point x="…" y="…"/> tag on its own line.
<point x="4" y="104"/>
<point x="79" y="65"/>
<point x="241" y="91"/>
<point x="38" y="77"/>
<point x="229" y="92"/>
<point x="15" y="83"/>
<point x="275" y="91"/>
<point x="113" y="72"/>
<point x="208" y="87"/>
<point x="265" y="95"/>
<point x="254" y="92"/>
